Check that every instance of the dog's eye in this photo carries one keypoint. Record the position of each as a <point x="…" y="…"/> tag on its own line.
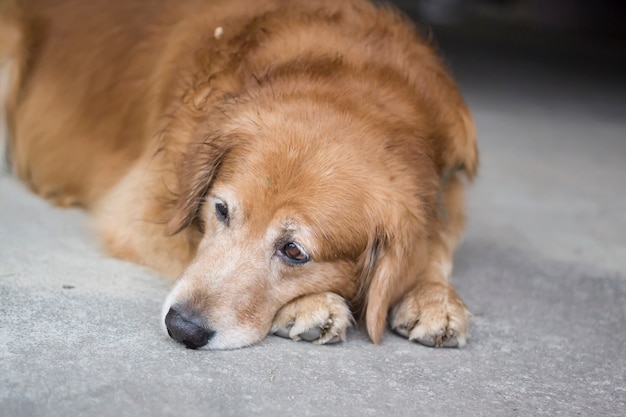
<point x="221" y="210"/>
<point x="294" y="253"/>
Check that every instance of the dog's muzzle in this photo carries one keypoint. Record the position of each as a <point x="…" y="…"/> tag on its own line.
<point x="185" y="326"/>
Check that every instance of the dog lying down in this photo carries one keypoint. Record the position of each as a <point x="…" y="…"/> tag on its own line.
<point x="292" y="162"/>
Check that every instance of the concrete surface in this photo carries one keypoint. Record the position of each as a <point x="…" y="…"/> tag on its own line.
<point x="542" y="267"/>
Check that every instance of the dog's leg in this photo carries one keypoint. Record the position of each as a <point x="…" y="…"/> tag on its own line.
<point x="319" y="318"/>
<point x="432" y="313"/>
<point x="131" y="223"/>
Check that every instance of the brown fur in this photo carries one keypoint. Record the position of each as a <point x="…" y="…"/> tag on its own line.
<point x="332" y="122"/>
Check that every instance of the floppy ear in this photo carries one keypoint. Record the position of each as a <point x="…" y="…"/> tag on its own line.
<point x="388" y="264"/>
<point x="195" y="177"/>
<point x="374" y="302"/>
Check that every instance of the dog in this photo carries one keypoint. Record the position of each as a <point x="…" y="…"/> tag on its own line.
<point x="295" y="164"/>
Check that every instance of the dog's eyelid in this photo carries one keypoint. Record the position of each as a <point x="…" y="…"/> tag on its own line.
<point x="293" y="252"/>
<point x="222" y="211"/>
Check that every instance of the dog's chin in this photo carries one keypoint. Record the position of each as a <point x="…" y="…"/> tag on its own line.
<point x="227" y="339"/>
<point x="232" y="339"/>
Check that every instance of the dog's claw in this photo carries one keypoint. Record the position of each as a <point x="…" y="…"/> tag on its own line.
<point x="283" y="331"/>
<point x="402" y="330"/>
<point x="439" y="339"/>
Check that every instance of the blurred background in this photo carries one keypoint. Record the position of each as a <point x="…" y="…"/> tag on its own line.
<point x="568" y="35"/>
<point x="525" y="21"/>
<point x="573" y="17"/>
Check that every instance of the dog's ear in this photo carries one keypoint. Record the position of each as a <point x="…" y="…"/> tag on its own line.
<point x="389" y="262"/>
<point x="372" y="305"/>
<point x="199" y="168"/>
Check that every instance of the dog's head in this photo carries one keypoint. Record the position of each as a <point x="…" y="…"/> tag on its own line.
<point x="296" y="199"/>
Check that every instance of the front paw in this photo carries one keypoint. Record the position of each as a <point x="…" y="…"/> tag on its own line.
<point x="432" y="314"/>
<point x="319" y="318"/>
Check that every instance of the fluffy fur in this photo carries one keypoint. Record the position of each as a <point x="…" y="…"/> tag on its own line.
<point x="330" y="124"/>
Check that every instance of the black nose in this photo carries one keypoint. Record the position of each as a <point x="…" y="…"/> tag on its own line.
<point x="184" y="326"/>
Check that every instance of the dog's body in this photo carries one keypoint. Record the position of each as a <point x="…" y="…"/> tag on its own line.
<point x="288" y="159"/>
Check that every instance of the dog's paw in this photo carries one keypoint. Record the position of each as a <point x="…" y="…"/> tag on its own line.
<point x="432" y="314"/>
<point x="319" y="318"/>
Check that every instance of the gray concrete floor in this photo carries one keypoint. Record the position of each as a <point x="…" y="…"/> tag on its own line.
<point x="542" y="267"/>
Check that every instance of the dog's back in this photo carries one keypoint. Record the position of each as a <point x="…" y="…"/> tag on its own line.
<point x="98" y="77"/>
<point x="78" y="97"/>
<point x="92" y="82"/>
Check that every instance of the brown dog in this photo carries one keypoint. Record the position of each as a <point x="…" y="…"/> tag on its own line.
<point x="292" y="161"/>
